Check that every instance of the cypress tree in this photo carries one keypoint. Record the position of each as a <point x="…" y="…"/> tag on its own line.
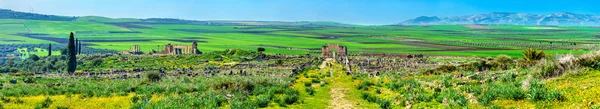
<point x="49" y="49"/>
<point x="79" y="47"/>
<point x="76" y="45"/>
<point x="71" y="53"/>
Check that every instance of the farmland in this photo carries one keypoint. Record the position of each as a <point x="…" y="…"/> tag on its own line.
<point x="258" y="64"/>
<point x="306" y="37"/>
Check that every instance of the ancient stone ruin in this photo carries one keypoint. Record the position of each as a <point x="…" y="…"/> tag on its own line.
<point x="168" y="49"/>
<point x="328" y="51"/>
<point x="181" y="49"/>
<point x="135" y="50"/>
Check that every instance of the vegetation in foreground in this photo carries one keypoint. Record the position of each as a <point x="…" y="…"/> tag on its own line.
<point x="537" y="80"/>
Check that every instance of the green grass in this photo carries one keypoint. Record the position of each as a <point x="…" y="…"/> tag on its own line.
<point x="297" y="40"/>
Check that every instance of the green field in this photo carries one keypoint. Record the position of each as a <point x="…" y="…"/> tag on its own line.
<point x="298" y="38"/>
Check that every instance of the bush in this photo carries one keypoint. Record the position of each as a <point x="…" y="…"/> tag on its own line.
<point x="291" y="96"/>
<point x="310" y="90"/>
<point x="533" y="54"/>
<point x="263" y="100"/>
<point x="453" y="97"/>
<point x="369" y="97"/>
<point x="242" y="103"/>
<point x="280" y="102"/>
<point x="475" y="89"/>
<point x="291" y="99"/>
<point x="538" y="92"/>
<point x="316" y="81"/>
<point x="365" y="84"/>
<point x="29" y="80"/>
<point x="385" y="104"/>
<point x="307" y="84"/>
<point x="153" y="76"/>
<point x="501" y="62"/>
<point x="501" y="91"/>
<point x="44" y="104"/>
<point x="550" y="69"/>
<point x="13" y="81"/>
<point x="589" y="61"/>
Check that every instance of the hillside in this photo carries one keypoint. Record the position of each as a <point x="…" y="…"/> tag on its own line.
<point x="559" y="18"/>
<point x="9" y="14"/>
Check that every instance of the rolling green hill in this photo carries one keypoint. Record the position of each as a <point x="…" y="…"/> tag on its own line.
<point x="299" y="37"/>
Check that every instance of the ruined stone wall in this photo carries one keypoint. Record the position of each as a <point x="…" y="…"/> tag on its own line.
<point x="341" y="51"/>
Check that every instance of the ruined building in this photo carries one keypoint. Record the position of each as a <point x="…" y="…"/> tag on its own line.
<point x="167" y="50"/>
<point x="333" y="50"/>
<point x="181" y="49"/>
<point x="338" y="53"/>
<point x="135" y="49"/>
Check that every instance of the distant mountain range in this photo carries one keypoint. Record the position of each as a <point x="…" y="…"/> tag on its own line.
<point x="10" y="14"/>
<point x="559" y="18"/>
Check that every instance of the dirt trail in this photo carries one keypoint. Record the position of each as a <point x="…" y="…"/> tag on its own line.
<point x="339" y="90"/>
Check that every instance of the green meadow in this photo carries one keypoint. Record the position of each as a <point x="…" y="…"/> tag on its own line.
<point x="298" y="38"/>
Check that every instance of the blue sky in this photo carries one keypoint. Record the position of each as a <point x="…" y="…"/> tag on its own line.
<point x="370" y="12"/>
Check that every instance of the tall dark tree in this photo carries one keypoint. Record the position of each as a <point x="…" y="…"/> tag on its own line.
<point x="49" y="49"/>
<point x="76" y="45"/>
<point x="71" y="53"/>
<point x="79" y="47"/>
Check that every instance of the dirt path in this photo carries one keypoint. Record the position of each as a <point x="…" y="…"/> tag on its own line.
<point x="339" y="90"/>
<point x="338" y="100"/>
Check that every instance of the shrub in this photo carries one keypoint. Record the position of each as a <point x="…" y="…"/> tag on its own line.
<point x="501" y="62"/>
<point x="550" y="69"/>
<point x="242" y="103"/>
<point x="307" y="84"/>
<point x="453" y="97"/>
<point x="279" y="62"/>
<point x="291" y="99"/>
<point x="13" y="81"/>
<point x="538" y="92"/>
<point x="501" y="91"/>
<point x="589" y="61"/>
<point x="364" y="85"/>
<point x="153" y="76"/>
<point x="385" y="104"/>
<point x="140" y="101"/>
<point x="315" y="81"/>
<point x="279" y="101"/>
<point x="369" y="97"/>
<point x="263" y="100"/>
<point x="44" y="104"/>
<point x="291" y="96"/>
<point x="475" y="89"/>
<point x="533" y="54"/>
<point x="310" y="90"/>
<point x="424" y="97"/>
<point x="29" y="80"/>
<point x="378" y="91"/>
<point x="34" y="57"/>
<point x="509" y="77"/>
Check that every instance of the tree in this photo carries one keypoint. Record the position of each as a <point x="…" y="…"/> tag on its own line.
<point x="260" y="49"/>
<point x="79" y="47"/>
<point x="71" y="53"/>
<point x="49" y="49"/>
<point x="34" y="57"/>
<point x="63" y="51"/>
